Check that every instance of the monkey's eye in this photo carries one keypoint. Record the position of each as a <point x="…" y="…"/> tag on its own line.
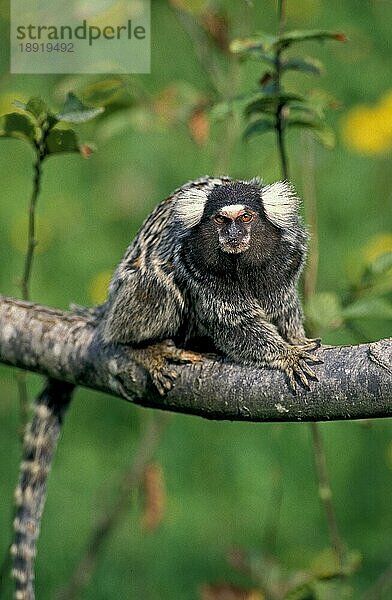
<point x="246" y="217"/>
<point x="219" y="219"/>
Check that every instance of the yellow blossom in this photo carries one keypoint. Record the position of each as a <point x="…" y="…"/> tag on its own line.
<point x="377" y="246"/>
<point x="368" y="129"/>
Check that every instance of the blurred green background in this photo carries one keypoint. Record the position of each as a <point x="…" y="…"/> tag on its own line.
<point x="221" y="485"/>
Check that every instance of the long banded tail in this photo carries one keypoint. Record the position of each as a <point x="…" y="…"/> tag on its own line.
<point x="39" y="449"/>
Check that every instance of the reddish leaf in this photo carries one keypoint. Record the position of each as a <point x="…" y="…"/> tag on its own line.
<point x="86" y="150"/>
<point x="154" y="496"/>
<point x="217" y="26"/>
<point x="199" y="126"/>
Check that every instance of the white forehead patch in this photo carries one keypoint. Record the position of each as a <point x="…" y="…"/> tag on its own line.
<point x="280" y="203"/>
<point x="232" y="208"/>
<point x="190" y="199"/>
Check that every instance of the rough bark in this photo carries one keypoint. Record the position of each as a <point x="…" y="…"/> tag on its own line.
<point x="355" y="382"/>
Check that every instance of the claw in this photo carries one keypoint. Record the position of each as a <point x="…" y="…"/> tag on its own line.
<point x="316" y="342"/>
<point x="292" y="382"/>
<point x="309" y="347"/>
<point x="313" y="357"/>
<point x="305" y="367"/>
<point x="156" y="360"/>
<point x="163" y="379"/>
<point x="295" y="364"/>
<point x="299" y="371"/>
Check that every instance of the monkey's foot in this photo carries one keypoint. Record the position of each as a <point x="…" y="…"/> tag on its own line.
<point x="295" y="363"/>
<point x="157" y="359"/>
<point x="313" y="343"/>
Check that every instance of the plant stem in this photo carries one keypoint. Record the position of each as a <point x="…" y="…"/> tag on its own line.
<point x="310" y="202"/>
<point x="281" y="16"/>
<point x="25" y="286"/>
<point x="280" y="126"/>
<point x="31" y="241"/>
<point x="325" y="493"/>
<point x="279" y="118"/>
<point x="310" y="281"/>
<point x="28" y="263"/>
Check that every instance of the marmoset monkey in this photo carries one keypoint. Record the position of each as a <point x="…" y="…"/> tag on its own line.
<point x="216" y="263"/>
<point x="219" y="260"/>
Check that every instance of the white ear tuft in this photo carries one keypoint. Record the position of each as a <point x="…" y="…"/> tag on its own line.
<point x="191" y="198"/>
<point x="189" y="206"/>
<point x="280" y="203"/>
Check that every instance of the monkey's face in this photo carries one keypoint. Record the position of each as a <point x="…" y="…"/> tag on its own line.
<point x="234" y="216"/>
<point x="236" y="222"/>
<point x="233" y="224"/>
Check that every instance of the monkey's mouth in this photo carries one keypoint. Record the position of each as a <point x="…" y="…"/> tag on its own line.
<point x="235" y="247"/>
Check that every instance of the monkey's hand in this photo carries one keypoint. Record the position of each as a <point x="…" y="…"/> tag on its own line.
<point x="157" y="359"/>
<point x="294" y="362"/>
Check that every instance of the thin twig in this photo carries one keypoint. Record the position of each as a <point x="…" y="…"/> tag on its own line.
<point x="21" y="378"/>
<point x="274" y="508"/>
<point x="103" y="529"/>
<point x="324" y="485"/>
<point x="281" y="16"/>
<point x="279" y="118"/>
<point x="325" y="493"/>
<point x="310" y="281"/>
<point x="28" y="263"/>
<point x="31" y="241"/>
<point x="310" y="202"/>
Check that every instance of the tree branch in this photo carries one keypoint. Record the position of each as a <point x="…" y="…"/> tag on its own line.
<point x="355" y="381"/>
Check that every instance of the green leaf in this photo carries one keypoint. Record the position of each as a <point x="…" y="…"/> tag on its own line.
<point x="322" y="132"/>
<point x="375" y="279"/>
<point x="303" y="591"/>
<point x="258" y="127"/>
<point x="269" y="102"/>
<point x="234" y="105"/>
<point x="62" y="140"/>
<point x="382" y="264"/>
<point x="221" y="111"/>
<point x="104" y="92"/>
<point x="304" y="110"/>
<point x="37" y="107"/>
<point x="258" y="46"/>
<point x="319" y="35"/>
<point x="371" y="278"/>
<point x="308" y="65"/>
<point x="369" y="308"/>
<point x="19" y="126"/>
<point x="19" y="104"/>
<point x="39" y="110"/>
<point x="74" y="111"/>
<point x="324" y="310"/>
